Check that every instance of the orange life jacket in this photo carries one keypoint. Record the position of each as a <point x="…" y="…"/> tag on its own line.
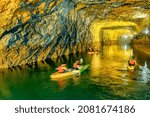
<point x="75" y="65"/>
<point x="132" y="62"/>
<point x="60" y="69"/>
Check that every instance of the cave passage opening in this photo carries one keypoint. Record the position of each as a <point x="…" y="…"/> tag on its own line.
<point x="117" y="34"/>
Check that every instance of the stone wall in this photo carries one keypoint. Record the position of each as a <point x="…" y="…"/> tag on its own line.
<point x="33" y="30"/>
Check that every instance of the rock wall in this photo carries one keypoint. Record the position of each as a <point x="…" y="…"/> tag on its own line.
<point x="33" y="30"/>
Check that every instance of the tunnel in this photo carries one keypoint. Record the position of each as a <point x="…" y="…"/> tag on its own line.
<point x="117" y="34"/>
<point x="113" y="32"/>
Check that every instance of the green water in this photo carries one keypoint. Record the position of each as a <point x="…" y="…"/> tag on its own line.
<point x="106" y="78"/>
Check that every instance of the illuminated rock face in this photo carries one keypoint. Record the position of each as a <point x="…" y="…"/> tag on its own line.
<point x="33" y="30"/>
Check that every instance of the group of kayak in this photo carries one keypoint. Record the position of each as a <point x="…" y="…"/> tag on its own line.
<point x="131" y="63"/>
<point x="62" y="68"/>
<point x="94" y="50"/>
<point x="63" y="71"/>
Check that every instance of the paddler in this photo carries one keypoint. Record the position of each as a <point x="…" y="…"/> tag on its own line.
<point x="96" y="49"/>
<point x="62" y="68"/>
<point x="90" y="49"/>
<point x="76" y="65"/>
<point x="132" y="62"/>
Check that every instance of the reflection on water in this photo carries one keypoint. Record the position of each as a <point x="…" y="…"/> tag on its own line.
<point x="111" y="57"/>
<point x="107" y="78"/>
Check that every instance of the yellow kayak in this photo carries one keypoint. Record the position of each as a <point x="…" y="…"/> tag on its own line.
<point x="68" y="74"/>
<point x="64" y="75"/>
<point x="130" y="68"/>
<point x="92" y="52"/>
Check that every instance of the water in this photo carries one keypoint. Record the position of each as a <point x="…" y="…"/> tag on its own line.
<point x="106" y="78"/>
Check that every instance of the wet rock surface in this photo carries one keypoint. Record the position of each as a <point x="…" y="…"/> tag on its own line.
<point x="33" y="30"/>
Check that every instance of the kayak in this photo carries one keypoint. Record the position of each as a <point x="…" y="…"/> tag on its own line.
<point x="64" y="75"/>
<point x="92" y="52"/>
<point x="130" y="68"/>
<point x="82" y="68"/>
<point x="71" y="73"/>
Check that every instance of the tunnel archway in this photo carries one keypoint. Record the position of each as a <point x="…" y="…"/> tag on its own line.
<point x="98" y="27"/>
<point x="120" y="34"/>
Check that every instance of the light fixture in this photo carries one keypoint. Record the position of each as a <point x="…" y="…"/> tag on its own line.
<point x="139" y="15"/>
<point x="145" y="31"/>
<point x="125" y="36"/>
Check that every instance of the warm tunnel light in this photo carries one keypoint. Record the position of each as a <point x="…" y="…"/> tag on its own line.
<point x="146" y="30"/>
<point x="103" y="31"/>
<point x="125" y="36"/>
<point x="139" y="15"/>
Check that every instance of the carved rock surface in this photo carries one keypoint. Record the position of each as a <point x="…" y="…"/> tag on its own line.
<point x="32" y="30"/>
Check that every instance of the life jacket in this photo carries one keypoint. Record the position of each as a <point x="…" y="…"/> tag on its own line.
<point x="75" y="65"/>
<point x="132" y="62"/>
<point x="60" y="69"/>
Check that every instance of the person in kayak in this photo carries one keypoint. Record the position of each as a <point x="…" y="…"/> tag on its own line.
<point x="62" y="68"/>
<point x="96" y="49"/>
<point x="131" y="62"/>
<point x="76" y="65"/>
<point x="90" y="49"/>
